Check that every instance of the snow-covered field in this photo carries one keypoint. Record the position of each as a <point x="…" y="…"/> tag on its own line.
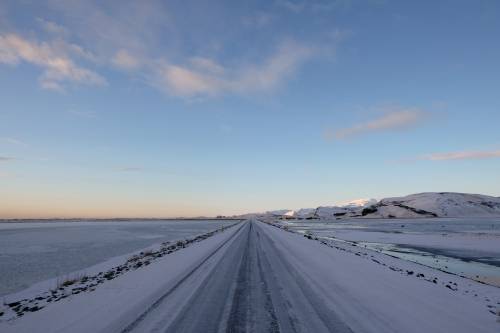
<point x="467" y="246"/>
<point x="33" y="252"/>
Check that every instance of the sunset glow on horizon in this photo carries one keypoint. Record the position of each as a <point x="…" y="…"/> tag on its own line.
<point x="168" y="109"/>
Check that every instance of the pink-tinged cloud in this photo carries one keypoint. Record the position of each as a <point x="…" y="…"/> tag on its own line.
<point x="52" y="27"/>
<point x="462" y="155"/>
<point x="399" y="119"/>
<point x="125" y="60"/>
<point x="54" y="58"/>
<point x="205" y="77"/>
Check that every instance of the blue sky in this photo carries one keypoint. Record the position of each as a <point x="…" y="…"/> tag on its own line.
<point x="169" y="108"/>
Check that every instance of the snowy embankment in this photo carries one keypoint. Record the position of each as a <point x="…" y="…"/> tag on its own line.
<point x="386" y="294"/>
<point x="53" y="290"/>
<point x="311" y="284"/>
<point x="112" y="306"/>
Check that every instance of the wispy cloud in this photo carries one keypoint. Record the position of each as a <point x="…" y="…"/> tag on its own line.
<point x="294" y="6"/>
<point x="131" y="169"/>
<point x="258" y="20"/>
<point x="53" y="58"/>
<point x="205" y="77"/>
<point x="462" y="155"/>
<point x="6" y="158"/>
<point x="52" y="27"/>
<point x="192" y="63"/>
<point x="124" y="59"/>
<point x="13" y="141"/>
<point x="396" y="119"/>
<point x="299" y="6"/>
<point x="452" y="156"/>
<point x="108" y="28"/>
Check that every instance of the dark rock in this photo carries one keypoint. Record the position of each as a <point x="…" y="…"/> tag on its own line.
<point x="369" y="210"/>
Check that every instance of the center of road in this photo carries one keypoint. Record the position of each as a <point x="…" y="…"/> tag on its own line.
<point x="248" y="286"/>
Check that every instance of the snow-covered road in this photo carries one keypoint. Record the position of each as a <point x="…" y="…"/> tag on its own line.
<point x="258" y="278"/>
<point x="252" y="288"/>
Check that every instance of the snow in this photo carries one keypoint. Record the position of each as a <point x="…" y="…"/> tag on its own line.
<point x="443" y="204"/>
<point x="110" y="307"/>
<point x="369" y="291"/>
<point x="462" y="242"/>
<point x="359" y="203"/>
<point x="32" y="252"/>
<point x="305" y="212"/>
<point x="379" y="295"/>
<point x="465" y="246"/>
<point x="278" y="212"/>
<point x="430" y="204"/>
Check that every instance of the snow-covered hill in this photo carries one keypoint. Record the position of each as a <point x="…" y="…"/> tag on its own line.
<point x="430" y="204"/>
<point x="347" y="209"/>
<point x="359" y="203"/>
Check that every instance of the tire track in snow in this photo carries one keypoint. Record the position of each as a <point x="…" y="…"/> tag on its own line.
<point x="142" y="316"/>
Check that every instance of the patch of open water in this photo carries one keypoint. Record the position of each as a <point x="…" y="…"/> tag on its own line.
<point x="478" y="265"/>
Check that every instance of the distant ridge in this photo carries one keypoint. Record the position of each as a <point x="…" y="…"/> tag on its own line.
<point x="420" y="205"/>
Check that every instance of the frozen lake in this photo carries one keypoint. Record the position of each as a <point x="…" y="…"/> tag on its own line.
<point x="35" y="251"/>
<point x="466" y="247"/>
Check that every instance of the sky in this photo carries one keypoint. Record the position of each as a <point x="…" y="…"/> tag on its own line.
<point x="189" y="108"/>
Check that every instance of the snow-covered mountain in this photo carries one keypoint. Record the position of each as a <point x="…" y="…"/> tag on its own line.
<point x="359" y="203"/>
<point x="349" y="208"/>
<point x="344" y="210"/>
<point x="436" y="204"/>
<point x="279" y="212"/>
<point x="430" y="204"/>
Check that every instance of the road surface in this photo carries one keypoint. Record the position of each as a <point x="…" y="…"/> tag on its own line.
<point x="252" y="288"/>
